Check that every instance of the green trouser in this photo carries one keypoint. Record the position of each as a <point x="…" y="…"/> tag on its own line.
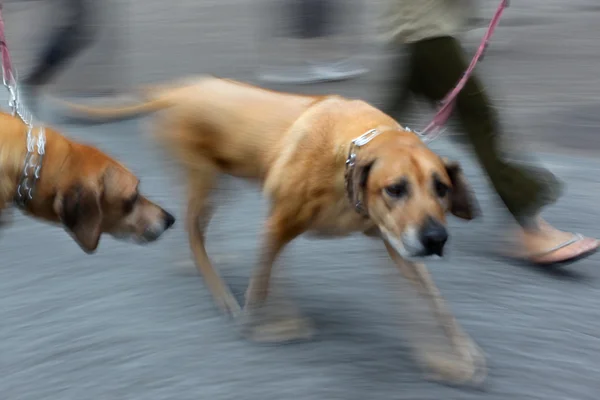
<point x="435" y="67"/>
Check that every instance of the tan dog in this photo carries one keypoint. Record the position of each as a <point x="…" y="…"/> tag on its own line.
<point x="329" y="166"/>
<point x="78" y="186"/>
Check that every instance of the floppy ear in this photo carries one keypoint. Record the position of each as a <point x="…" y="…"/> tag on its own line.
<point x="362" y="173"/>
<point x="463" y="203"/>
<point x="79" y="211"/>
<point x="360" y="177"/>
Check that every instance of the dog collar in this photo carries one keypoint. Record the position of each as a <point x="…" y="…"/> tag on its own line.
<point x="353" y="185"/>
<point x="36" y="147"/>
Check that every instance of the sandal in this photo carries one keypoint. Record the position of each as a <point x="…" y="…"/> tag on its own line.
<point x="572" y="250"/>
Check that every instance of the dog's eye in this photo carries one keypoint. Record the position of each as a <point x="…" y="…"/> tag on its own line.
<point x="397" y="190"/>
<point x="441" y="189"/>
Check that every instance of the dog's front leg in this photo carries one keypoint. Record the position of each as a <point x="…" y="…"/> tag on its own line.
<point x="267" y="316"/>
<point x="467" y="364"/>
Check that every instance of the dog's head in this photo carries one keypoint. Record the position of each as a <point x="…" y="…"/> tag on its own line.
<point x="105" y="198"/>
<point x="407" y="190"/>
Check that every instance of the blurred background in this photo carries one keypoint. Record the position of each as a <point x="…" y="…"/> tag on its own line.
<point x="138" y="323"/>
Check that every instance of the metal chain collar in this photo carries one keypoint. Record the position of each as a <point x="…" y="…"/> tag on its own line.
<point x="352" y="191"/>
<point x="32" y="167"/>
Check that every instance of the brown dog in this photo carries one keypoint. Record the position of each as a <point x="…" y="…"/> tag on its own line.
<point x="329" y="166"/>
<point x="60" y="181"/>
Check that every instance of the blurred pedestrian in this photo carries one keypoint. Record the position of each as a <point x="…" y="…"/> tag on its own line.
<point x="75" y="34"/>
<point x="313" y="23"/>
<point x="428" y="31"/>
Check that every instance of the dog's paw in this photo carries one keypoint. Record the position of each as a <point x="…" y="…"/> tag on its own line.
<point x="260" y="325"/>
<point x="229" y="306"/>
<point x="467" y="367"/>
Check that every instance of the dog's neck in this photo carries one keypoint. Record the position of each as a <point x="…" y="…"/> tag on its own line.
<point x="13" y="154"/>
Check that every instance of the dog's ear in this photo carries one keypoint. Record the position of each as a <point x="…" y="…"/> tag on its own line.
<point x="361" y="173"/>
<point x="360" y="178"/>
<point x="463" y="203"/>
<point x="80" y="212"/>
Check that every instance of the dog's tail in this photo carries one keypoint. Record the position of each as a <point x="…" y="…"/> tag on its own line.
<point x="149" y="99"/>
<point x="79" y="111"/>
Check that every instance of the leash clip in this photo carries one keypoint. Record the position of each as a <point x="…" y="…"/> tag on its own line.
<point x="365" y="138"/>
<point x="431" y="136"/>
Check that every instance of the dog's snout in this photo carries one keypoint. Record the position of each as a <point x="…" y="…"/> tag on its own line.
<point x="169" y="220"/>
<point x="433" y="237"/>
<point x="155" y="229"/>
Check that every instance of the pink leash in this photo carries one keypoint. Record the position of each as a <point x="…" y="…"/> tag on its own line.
<point x="433" y="130"/>
<point x="7" y="70"/>
<point x="9" y="77"/>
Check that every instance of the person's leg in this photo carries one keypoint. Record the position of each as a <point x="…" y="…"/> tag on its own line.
<point x="64" y="44"/>
<point x="340" y="61"/>
<point x="310" y="24"/>
<point x="436" y="66"/>
<point x="401" y="85"/>
<point x="304" y="20"/>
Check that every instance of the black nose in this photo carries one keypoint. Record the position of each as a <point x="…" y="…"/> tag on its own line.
<point x="433" y="237"/>
<point x="169" y="220"/>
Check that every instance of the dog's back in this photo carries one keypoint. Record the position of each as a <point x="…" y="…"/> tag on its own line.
<point x="239" y="127"/>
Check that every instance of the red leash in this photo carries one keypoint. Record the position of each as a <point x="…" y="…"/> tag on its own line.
<point x="433" y="130"/>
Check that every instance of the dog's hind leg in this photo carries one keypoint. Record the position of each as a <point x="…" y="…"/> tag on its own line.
<point x="199" y="213"/>
<point x="466" y="364"/>
<point x="268" y="316"/>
